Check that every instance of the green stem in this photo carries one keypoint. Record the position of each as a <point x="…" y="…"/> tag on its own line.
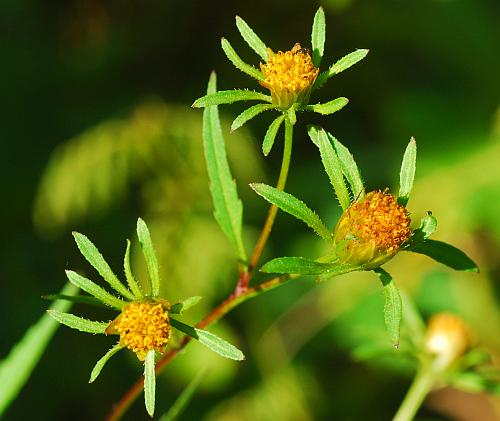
<point x="273" y="210"/>
<point x="421" y="386"/>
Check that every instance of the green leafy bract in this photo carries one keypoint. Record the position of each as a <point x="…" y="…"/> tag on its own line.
<point x="303" y="266"/>
<point x="393" y="307"/>
<point x="407" y="174"/>
<point x="181" y="307"/>
<point x="78" y="323"/>
<point x="271" y="133"/>
<point x="251" y="38"/>
<point x="228" y="97"/>
<point x="132" y="283"/>
<point x="343" y="64"/>
<point x="228" y="209"/>
<point x="318" y="35"/>
<point x="293" y="206"/>
<point x="150" y="256"/>
<point x="239" y="63"/>
<point x="102" y="362"/>
<point x="329" y="107"/>
<point x="248" y="114"/>
<point x="149" y="382"/>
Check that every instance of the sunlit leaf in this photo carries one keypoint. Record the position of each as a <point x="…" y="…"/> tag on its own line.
<point x="303" y="266"/>
<point x="248" y="114"/>
<point x="428" y="225"/>
<point x="149" y="382"/>
<point x="329" y="107"/>
<point x="293" y="206"/>
<point x="95" y="290"/>
<point x="251" y="38"/>
<point x="393" y="308"/>
<point x="179" y="308"/>
<point x="407" y="174"/>
<point x="82" y="299"/>
<point x="102" y="362"/>
<point x="318" y="35"/>
<point x="216" y="344"/>
<point x="94" y="257"/>
<point x="343" y="64"/>
<point x="78" y="323"/>
<point x="445" y="253"/>
<point x="132" y="283"/>
<point x="228" y="209"/>
<point x="22" y="359"/>
<point x="228" y="97"/>
<point x="271" y="133"/>
<point x="150" y="256"/>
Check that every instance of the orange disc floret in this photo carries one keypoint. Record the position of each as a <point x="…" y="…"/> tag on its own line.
<point x="289" y="76"/>
<point x="372" y="230"/>
<point x="142" y="326"/>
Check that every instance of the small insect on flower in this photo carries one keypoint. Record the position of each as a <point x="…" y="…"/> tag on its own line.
<point x="145" y="321"/>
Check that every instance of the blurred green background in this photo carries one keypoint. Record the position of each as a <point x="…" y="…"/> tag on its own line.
<point x="97" y="130"/>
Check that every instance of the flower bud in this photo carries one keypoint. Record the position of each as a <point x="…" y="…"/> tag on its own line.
<point x="371" y="230"/>
<point x="142" y="326"/>
<point x="447" y="338"/>
<point x="289" y="76"/>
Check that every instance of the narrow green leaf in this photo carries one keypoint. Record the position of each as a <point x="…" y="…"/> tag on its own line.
<point x="228" y="209"/>
<point x="102" y="362"/>
<point x="184" y="398"/>
<point x="82" y="299"/>
<point x="78" y="323"/>
<point x="91" y="253"/>
<point x="238" y="62"/>
<point x="333" y="168"/>
<point x="251" y="38"/>
<point x="329" y="107"/>
<point x="407" y="173"/>
<point x="150" y="256"/>
<point x="318" y="35"/>
<point x="271" y="133"/>
<point x="313" y="132"/>
<point x="293" y="206"/>
<point x="428" y="225"/>
<point x="17" y="366"/>
<point x="248" y="114"/>
<point x="181" y="307"/>
<point x="149" y="382"/>
<point x="349" y="168"/>
<point x="292" y="116"/>
<point x="393" y="307"/>
<point x="228" y="97"/>
<point x="343" y="64"/>
<point x="302" y="266"/>
<point x="132" y="283"/>
<point x="216" y="344"/>
<point x="95" y="290"/>
<point x="444" y="253"/>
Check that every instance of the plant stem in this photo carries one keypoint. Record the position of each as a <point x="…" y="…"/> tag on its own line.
<point x="218" y="312"/>
<point x="273" y="210"/>
<point x="421" y="386"/>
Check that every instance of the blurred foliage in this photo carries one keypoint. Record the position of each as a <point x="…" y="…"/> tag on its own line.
<point x="75" y="70"/>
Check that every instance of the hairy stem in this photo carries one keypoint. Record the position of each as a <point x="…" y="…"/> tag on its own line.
<point x="421" y="386"/>
<point x="218" y="312"/>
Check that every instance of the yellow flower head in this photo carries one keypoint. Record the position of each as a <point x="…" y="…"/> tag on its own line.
<point x="372" y="230"/>
<point x="289" y="76"/>
<point x="142" y="326"/>
<point x="447" y="338"/>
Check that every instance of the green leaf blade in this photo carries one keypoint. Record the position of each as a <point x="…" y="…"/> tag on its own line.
<point x="132" y="283"/>
<point x="102" y="362"/>
<point x="81" y="299"/>
<point x="303" y="266"/>
<point x="428" y="226"/>
<point x="17" y="366"/>
<point x="150" y="256"/>
<point x="228" y="209"/>
<point x="251" y="38"/>
<point x="181" y="307"/>
<point x="446" y="254"/>
<point x="95" y="290"/>
<point x="271" y="133"/>
<point x="228" y="97"/>
<point x="238" y="62"/>
<point x="349" y="168"/>
<point x="407" y="174"/>
<point x="150" y="383"/>
<point x="332" y="165"/>
<point x="95" y="258"/>
<point x="393" y="307"/>
<point x="329" y="107"/>
<point x="318" y="35"/>
<point x="339" y="66"/>
<point x="78" y="323"/>
<point x="293" y="206"/>
<point x="248" y="114"/>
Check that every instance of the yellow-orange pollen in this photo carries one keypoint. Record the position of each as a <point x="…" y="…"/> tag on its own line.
<point x="142" y="327"/>
<point x="379" y="218"/>
<point x="289" y="76"/>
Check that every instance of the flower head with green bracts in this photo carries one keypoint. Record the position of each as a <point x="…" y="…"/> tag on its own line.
<point x="145" y="320"/>
<point x="373" y="227"/>
<point x="290" y="76"/>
